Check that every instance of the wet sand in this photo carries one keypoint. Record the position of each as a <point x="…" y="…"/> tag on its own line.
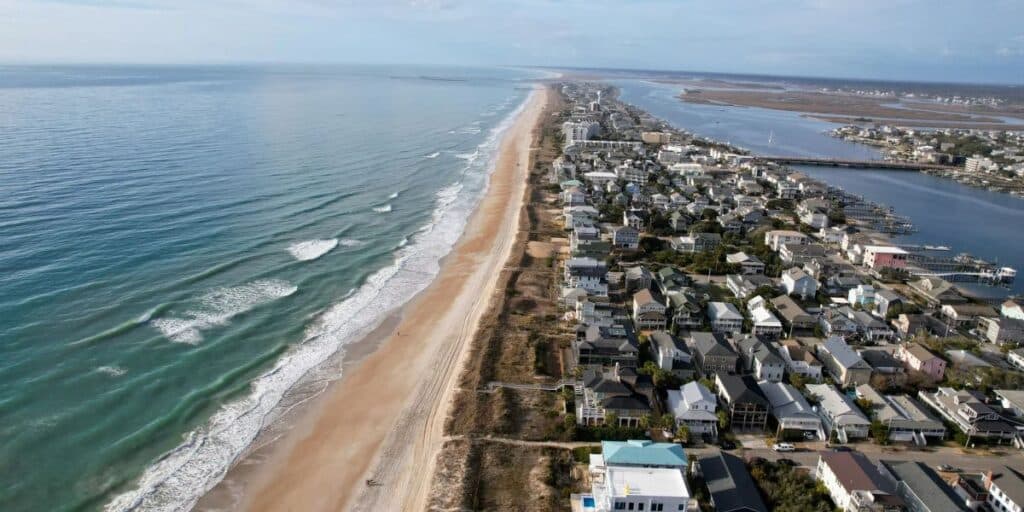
<point x="370" y="441"/>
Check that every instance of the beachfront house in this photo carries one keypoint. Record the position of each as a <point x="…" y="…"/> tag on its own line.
<point x="855" y="484"/>
<point x="729" y="483"/>
<point x="747" y="406"/>
<point x="636" y="475"/>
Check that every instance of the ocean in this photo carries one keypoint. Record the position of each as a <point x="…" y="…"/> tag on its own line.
<point x="944" y="212"/>
<point x="181" y="246"/>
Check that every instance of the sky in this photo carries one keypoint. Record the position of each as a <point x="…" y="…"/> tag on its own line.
<point x="963" y="41"/>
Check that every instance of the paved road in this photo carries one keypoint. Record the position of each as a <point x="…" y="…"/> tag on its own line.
<point x="973" y="462"/>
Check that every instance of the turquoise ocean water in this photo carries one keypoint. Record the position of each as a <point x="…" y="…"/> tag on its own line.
<point x="180" y="246"/>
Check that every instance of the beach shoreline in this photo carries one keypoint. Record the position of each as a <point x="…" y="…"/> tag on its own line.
<point x="383" y="419"/>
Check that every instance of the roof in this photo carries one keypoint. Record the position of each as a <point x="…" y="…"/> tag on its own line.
<point x="854" y="472"/>
<point x="965" y="358"/>
<point x="626" y="403"/>
<point x="762" y="316"/>
<point x="723" y="310"/>
<point x="843" y="353"/>
<point x="665" y="340"/>
<point x="730" y="484"/>
<point x="711" y="343"/>
<point x="898" y="410"/>
<point x="788" y="308"/>
<point x="884" y="249"/>
<point x="925" y="484"/>
<point x="919" y="352"/>
<point x="638" y="481"/>
<point x="785" y="400"/>
<point x="742" y="389"/>
<point x="1014" y="396"/>
<point x="1011" y="483"/>
<point x="795" y="274"/>
<point x="840" y="407"/>
<point x="742" y="257"/>
<point x="640" y="452"/>
<point x="643" y="297"/>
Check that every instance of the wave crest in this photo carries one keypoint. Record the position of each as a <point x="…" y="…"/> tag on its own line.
<point x="312" y="249"/>
<point x="218" y="307"/>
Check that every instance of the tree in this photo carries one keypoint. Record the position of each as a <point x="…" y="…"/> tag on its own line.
<point x="682" y="431"/>
<point x="879" y="432"/>
<point x="723" y="419"/>
<point x="662" y="379"/>
<point x="797" y="381"/>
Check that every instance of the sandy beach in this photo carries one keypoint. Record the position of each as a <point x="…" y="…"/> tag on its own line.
<point x="382" y="422"/>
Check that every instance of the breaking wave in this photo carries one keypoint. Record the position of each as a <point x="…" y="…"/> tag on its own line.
<point x="218" y="307"/>
<point x="383" y="209"/>
<point x="312" y="249"/>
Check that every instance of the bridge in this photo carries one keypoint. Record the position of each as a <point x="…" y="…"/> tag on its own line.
<point x="836" y="162"/>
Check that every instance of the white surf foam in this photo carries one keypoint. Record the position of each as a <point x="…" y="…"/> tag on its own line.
<point x="393" y="195"/>
<point x="218" y="307"/>
<point x="312" y="249"/>
<point x="348" y="242"/>
<point x="383" y="209"/>
<point x="469" y="157"/>
<point x="113" y="371"/>
<point x="433" y="155"/>
<point x="178" y="479"/>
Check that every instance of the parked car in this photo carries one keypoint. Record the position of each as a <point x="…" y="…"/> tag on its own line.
<point x="783" y="447"/>
<point x="946" y="468"/>
<point x="727" y="445"/>
<point x="842" y="449"/>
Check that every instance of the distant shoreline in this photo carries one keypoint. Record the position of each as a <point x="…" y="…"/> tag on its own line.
<point x="853" y="109"/>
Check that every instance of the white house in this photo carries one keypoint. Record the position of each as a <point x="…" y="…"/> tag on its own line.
<point x="839" y="414"/>
<point x="790" y="409"/>
<point x="694" y="406"/>
<point x="1005" y="490"/>
<point x="862" y="294"/>
<point x="855" y="484"/>
<point x="748" y="264"/>
<point x="797" y="282"/>
<point x="778" y="238"/>
<point x="588" y="274"/>
<point x="724" y="317"/>
<point x="637" y="475"/>
<point x="765" y="323"/>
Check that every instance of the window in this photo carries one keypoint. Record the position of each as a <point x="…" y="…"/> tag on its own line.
<point x="657" y="507"/>
<point x="682" y="506"/>
<point x="620" y="505"/>
<point x="629" y="507"/>
<point x="639" y="506"/>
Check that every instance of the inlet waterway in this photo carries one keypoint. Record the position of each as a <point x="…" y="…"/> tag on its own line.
<point x="967" y="219"/>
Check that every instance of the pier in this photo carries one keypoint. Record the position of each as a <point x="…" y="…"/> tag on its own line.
<point x="836" y="162"/>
